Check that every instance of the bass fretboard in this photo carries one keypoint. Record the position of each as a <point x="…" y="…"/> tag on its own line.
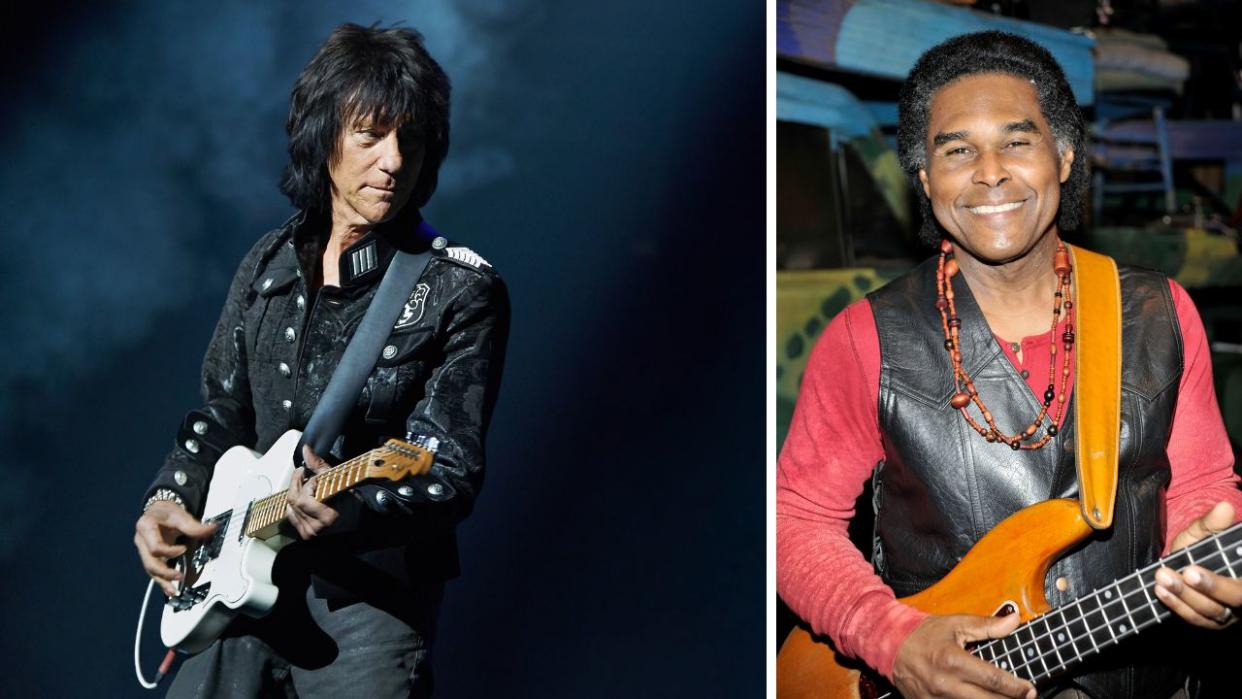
<point x="1052" y="643"/>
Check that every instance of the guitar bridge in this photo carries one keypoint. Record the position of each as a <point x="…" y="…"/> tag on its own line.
<point x="189" y="597"/>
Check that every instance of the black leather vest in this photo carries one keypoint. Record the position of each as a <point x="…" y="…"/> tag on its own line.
<point x="942" y="487"/>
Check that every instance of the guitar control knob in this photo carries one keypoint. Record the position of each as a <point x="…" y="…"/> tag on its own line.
<point x="435" y="490"/>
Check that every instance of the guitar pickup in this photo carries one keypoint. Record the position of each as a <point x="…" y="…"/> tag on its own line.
<point x="217" y="540"/>
<point x="209" y="549"/>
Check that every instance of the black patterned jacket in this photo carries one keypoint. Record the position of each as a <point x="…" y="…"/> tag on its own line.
<point x="274" y="350"/>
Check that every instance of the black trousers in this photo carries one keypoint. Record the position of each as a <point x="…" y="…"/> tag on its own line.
<point x="309" y="647"/>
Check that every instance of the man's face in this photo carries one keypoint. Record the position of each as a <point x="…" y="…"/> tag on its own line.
<point x="993" y="174"/>
<point x="374" y="172"/>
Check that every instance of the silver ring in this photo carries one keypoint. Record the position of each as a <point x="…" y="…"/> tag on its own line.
<point x="1225" y="616"/>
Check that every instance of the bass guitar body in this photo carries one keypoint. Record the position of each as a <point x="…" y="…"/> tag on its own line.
<point x="1006" y="568"/>
<point x="230" y="573"/>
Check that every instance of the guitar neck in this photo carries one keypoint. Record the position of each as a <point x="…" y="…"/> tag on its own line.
<point x="264" y="514"/>
<point x="1055" y="642"/>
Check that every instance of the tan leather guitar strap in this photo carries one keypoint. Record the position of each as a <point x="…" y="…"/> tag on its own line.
<point x="1097" y="306"/>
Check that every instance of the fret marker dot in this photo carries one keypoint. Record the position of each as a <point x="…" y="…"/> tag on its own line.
<point x="1030" y="652"/>
<point x="1108" y="594"/>
<point x="1238" y="550"/>
<point x="1060" y="638"/>
<point x="1004" y="665"/>
<point x="1121" y="628"/>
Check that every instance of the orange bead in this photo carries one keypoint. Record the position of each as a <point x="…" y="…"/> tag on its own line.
<point x="950" y="268"/>
<point x="1060" y="262"/>
<point x="945" y="246"/>
<point x="959" y="400"/>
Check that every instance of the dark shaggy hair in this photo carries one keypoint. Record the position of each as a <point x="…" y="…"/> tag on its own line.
<point x="385" y="75"/>
<point x="991" y="52"/>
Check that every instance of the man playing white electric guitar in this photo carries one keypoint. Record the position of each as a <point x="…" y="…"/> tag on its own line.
<point x="361" y="584"/>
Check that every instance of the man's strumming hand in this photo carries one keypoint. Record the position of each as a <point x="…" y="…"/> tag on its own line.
<point x="156" y="534"/>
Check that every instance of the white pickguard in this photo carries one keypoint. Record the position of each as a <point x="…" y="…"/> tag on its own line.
<point x="240" y="577"/>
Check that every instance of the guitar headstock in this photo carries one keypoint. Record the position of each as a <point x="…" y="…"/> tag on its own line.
<point x="397" y="460"/>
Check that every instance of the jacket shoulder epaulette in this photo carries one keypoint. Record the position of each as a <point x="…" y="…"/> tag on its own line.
<point x="467" y="258"/>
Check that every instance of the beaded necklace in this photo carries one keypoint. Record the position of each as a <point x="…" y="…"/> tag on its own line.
<point x="966" y="393"/>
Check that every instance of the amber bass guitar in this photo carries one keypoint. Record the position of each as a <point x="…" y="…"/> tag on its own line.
<point x="1006" y="568"/>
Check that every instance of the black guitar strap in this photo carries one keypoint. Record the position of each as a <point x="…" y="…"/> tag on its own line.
<point x="359" y="359"/>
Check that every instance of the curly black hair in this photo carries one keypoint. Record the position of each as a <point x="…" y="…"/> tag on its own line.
<point x="385" y="75"/>
<point x="991" y="52"/>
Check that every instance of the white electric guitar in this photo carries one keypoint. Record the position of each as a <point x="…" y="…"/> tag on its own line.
<point x="231" y="571"/>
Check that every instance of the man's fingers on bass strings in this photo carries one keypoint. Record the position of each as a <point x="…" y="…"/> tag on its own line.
<point x="1180" y="607"/>
<point x="1225" y="590"/>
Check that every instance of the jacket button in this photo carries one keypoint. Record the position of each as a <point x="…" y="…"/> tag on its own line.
<point x="191" y="445"/>
<point x="1026" y="374"/>
<point x="290" y="335"/>
<point x="301" y="302"/>
<point x="267" y="283"/>
<point x="390" y="351"/>
<point x="285" y="371"/>
<point x="435" y="490"/>
<point x="1062" y="584"/>
<point x="439" y="242"/>
<point x="286" y="404"/>
<point x="180" y="477"/>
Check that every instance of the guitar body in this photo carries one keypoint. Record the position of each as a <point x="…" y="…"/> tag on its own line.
<point x="1007" y="566"/>
<point x="238" y="577"/>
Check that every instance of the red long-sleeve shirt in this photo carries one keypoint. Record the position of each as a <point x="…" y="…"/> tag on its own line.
<point x="834" y="443"/>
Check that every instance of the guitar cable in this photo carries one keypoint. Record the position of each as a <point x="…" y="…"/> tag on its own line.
<point x="168" y="657"/>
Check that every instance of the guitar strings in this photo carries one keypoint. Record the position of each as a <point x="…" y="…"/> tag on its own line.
<point x="1028" y="661"/>
<point x="1159" y="613"/>
<point x="333" y="472"/>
